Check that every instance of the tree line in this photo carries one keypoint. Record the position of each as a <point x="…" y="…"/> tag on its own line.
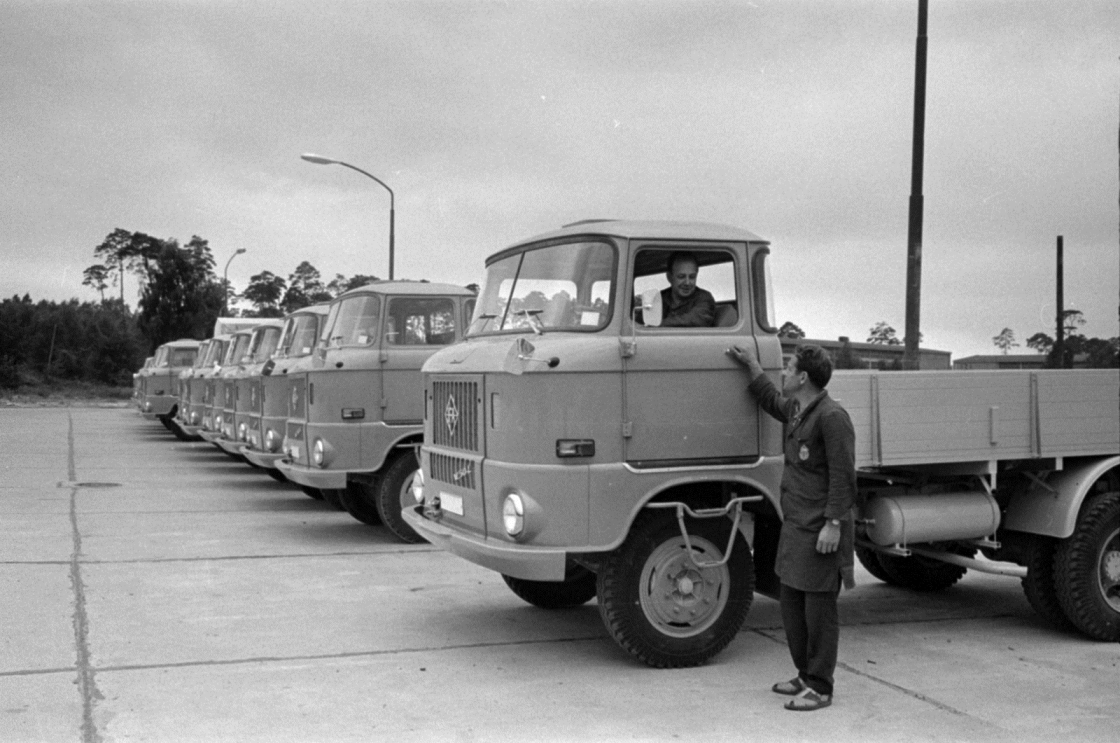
<point x="180" y="296"/>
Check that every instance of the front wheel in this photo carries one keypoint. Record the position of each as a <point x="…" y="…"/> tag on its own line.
<point x="395" y="493"/>
<point x="577" y="588"/>
<point x="663" y="609"/>
<point x="359" y="501"/>
<point x="1088" y="568"/>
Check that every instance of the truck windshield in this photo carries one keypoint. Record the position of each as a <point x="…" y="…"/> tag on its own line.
<point x="299" y="335"/>
<point x="182" y="356"/>
<point x="569" y="286"/>
<point x="264" y="343"/>
<point x="237" y="349"/>
<point x="355" y="321"/>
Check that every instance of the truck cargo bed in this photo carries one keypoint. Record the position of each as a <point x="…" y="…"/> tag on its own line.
<point x="935" y="417"/>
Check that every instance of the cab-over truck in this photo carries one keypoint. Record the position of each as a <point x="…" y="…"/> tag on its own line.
<point x="581" y="449"/>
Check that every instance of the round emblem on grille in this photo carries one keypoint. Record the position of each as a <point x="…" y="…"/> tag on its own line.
<point x="451" y="415"/>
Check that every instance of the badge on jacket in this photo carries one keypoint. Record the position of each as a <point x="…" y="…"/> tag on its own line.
<point x="804" y="453"/>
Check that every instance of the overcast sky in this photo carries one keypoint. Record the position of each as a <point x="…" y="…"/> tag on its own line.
<point x="494" y="121"/>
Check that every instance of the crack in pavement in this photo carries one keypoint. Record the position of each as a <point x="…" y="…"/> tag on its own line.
<point x="87" y="683"/>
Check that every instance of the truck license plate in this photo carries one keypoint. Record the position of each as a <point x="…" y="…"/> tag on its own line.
<point x="451" y="503"/>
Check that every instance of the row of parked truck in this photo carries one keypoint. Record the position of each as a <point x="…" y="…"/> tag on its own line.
<point x="551" y="429"/>
<point x="328" y="398"/>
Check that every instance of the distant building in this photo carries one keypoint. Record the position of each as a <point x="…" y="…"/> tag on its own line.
<point x="871" y="355"/>
<point x="1002" y="361"/>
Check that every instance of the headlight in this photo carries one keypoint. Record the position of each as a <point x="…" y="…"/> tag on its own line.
<point x="513" y="514"/>
<point x="418" y="487"/>
<point x="318" y="452"/>
<point x="195" y="417"/>
<point x="272" y="440"/>
<point x="242" y="432"/>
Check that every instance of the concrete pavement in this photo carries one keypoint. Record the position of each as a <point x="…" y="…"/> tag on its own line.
<point x="156" y="590"/>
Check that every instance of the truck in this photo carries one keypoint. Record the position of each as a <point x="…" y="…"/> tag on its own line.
<point x="266" y="427"/>
<point x="193" y="387"/>
<point x="582" y="450"/>
<point x="243" y="388"/>
<point x="355" y="415"/>
<point x="159" y="383"/>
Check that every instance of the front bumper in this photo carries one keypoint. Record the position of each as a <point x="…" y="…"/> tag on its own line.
<point x="515" y="560"/>
<point x="264" y="459"/>
<point x="230" y="446"/>
<point x="211" y="436"/>
<point x="312" y="478"/>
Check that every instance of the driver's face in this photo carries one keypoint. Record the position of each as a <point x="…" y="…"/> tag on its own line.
<point x="682" y="278"/>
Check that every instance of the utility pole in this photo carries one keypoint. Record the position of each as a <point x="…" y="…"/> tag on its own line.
<point x="1059" y="334"/>
<point x="914" y="239"/>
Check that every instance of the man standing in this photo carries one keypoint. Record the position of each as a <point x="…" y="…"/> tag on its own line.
<point x="683" y="303"/>
<point x="815" y="549"/>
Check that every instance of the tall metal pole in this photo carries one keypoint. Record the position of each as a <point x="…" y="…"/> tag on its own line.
<point x="320" y="160"/>
<point x="914" y="239"/>
<point x="225" y="281"/>
<point x="1060" y="322"/>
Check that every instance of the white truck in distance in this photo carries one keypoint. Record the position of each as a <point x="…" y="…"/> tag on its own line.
<point x="580" y="449"/>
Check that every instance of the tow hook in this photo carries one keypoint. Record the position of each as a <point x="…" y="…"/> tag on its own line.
<point x="708" y="513"/>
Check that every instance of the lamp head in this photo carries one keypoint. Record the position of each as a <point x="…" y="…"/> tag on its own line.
<point x="318" y="159"/>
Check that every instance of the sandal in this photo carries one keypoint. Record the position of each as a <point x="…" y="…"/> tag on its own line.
<point x="808" y="700"/>
<point x="790" y="688"/>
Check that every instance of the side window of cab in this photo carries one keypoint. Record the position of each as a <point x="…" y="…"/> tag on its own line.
<point x="420" y="321"/>
<point x="685" y="288"/>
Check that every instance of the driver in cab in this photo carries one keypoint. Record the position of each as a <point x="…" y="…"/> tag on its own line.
<point x="685" y="305"/>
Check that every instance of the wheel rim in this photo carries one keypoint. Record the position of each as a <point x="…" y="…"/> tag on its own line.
<point x="678" y="598"/>
<point x="1108" y="574"/>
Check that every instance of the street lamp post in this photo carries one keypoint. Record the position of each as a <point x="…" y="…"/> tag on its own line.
<point x="320" y="160"/>
<point x="225" y="281"/>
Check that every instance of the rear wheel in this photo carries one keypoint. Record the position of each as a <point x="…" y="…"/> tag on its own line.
<point x="663" y="609"/>
<point x="577" y="588"/>
<point x="1039" y="584"/>
<point x="1087" y="566"/>
<point x="920" y="573"/>
<point x="869" y="558"/>
<point x="358" y="501"/>
<point x="394" y="494"/>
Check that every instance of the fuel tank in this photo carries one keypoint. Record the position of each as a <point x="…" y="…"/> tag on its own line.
<point x="912" y="519"/>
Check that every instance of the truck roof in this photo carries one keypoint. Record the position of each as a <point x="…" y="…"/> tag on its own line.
<point x="410" y="287"/>
<point x="646" y="229"/>
<point x="183" y="343"/>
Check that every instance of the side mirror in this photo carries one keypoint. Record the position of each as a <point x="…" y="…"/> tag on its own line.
<point x="269" y="365"/>
<point x="652" y="311"/>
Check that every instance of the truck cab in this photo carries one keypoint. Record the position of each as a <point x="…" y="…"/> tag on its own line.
<point x="222" y="403"/>
<point x="245" y="380"/>
<point x="159" y="397"/>
<point x="356" y="404"/>
<point x="569" y="435"/>
<point x="265" y="434"/>
<point x="195" y="410"/>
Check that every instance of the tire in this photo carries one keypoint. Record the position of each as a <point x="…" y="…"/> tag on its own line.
<point x="312" y="492"/>
<point x="332" y="497"/>
<point x="394" y="493"/>
<point x="702" y="610"/>
<point x="358" y="500"/>
<point x="924" y="574"/>
<point x="869" y="558"/>
<point x="276" y="474"/>
<point x="577" y="588"/>
<point x="1087" y="567"/>
<point x="1040" y="585"/>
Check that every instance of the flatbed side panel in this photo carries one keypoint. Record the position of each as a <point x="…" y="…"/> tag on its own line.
<point x="1079" y="412"/>
<point x="907" y="418"/>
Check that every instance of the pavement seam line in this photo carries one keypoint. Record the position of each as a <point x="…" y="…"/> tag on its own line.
<point x="87" y="684"/>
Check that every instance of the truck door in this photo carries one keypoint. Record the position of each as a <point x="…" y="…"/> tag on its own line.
<point x="415" y="328"/>
<point x="684" y="400"/>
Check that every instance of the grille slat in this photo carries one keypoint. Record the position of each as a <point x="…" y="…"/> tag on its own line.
<point x="453" y="470"/>
<point x="455" y="419"/>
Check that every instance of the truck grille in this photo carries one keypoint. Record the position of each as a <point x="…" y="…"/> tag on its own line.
<point x="453" y="470"/>
<point x="455" y="418"/>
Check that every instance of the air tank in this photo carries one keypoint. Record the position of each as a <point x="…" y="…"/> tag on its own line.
<point x="913" y="519"/>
